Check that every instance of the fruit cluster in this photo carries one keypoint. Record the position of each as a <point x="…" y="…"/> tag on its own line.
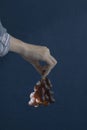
<point x="42" y="95"/>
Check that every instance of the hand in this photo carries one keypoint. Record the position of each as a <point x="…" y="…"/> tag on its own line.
<point x="34" y="54"/>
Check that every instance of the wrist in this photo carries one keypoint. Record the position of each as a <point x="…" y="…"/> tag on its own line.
<point x="16" y="45"/>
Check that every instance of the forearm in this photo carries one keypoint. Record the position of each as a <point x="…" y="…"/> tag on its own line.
<point x="20" y="47"/>
<point x="9" y="43"/>
<point x="16" y="45"/>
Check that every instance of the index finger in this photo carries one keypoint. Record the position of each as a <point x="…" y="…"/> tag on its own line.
<point x="51" y="62"/>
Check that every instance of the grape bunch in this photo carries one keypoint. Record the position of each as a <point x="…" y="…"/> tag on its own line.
<point x="43" y="94"/>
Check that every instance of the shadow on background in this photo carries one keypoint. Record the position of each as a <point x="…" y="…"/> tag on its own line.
<point x="61" y="26"/>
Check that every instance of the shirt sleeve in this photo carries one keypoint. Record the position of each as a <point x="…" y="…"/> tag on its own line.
<point x="4" y="41"/>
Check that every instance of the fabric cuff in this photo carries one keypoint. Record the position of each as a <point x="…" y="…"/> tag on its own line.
<point x="4" y="44"/>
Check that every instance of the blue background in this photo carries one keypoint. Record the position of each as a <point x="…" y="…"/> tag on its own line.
<point x="62" y="27"/>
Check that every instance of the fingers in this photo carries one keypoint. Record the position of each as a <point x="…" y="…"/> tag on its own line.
<point x="38" y="67"/>
<point x="45" y="70"/>
<point x="51" y="62"/>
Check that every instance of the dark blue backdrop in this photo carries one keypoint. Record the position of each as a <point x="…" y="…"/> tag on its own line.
<point x="62" y="26"/>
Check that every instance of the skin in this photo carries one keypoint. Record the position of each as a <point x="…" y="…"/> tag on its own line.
<point x="34" y="54"/>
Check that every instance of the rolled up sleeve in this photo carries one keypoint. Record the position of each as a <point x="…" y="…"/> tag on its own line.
<point x="4" y="41"/>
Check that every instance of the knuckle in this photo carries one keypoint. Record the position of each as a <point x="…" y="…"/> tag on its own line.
<point x="55" y="62"/>
<point x="45" y="53"/>
<point x="46" y="49"/>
